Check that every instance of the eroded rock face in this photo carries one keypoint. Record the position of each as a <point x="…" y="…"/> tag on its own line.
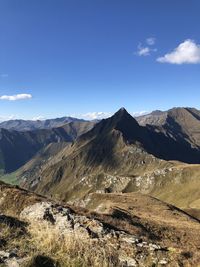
<point x="63" y="219"/>
<point x="133" y="251"/>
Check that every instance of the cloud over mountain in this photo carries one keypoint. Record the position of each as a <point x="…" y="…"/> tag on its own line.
<point x="95" y="115"/>
<point x="103" y="115"/>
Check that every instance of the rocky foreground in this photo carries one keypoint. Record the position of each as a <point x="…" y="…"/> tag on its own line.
<point x="35" y="231"/>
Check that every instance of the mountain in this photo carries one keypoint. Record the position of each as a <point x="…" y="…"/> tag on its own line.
<point x="156" y="118"/>
<point x="101" y="174"/>
<point x="110" y="157"/>
<point x="182" y="124"/>
<point x="16" y="148"/>
<point x="112" y="230"/>
<point x="29" y="125"/>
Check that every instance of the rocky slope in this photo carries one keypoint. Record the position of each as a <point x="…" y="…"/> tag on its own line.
<point x="156" y="118"/>
<point x="119" y="230"/>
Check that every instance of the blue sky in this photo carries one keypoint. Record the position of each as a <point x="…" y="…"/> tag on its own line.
<point x="75" y="57"/>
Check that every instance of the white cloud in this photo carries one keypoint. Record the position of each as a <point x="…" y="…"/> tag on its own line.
<point x="139" y="113"/>
<point x="7" y="118"/>
<point x="95" y="115"/>
<point x="187" y="52"/>
<point x="151" y="41"/>
<point x="145" y="51"/>
<point x="15" y="97"/>
<point x="38" y="118"/>
<point x="103" y="115"/>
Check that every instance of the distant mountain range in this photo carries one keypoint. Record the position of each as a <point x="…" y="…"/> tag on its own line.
<point x="29" y="125"/>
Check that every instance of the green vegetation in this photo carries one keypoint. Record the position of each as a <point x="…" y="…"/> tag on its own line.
<point x="10" y="178"/>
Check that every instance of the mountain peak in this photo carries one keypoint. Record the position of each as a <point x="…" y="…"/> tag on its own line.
<point x="121" y="121"/>
<point x="121" y="111"/>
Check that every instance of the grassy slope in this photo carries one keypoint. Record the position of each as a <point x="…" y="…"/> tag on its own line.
<point x="134" y="213"/>
<point x="10" y="178"/>
<point x="162" y="221"/>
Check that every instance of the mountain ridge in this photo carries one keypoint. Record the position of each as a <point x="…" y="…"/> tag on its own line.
<point x="29" y="125"/>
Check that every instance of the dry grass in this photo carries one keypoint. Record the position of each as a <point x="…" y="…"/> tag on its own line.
<point x="68" y="250"/>
<point x="64" y="249"/>
<point x="12" y="233"/>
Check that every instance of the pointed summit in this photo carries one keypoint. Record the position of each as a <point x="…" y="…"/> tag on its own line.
<point x="121" y="121"/>
<point x="122" y="116"/>
<point x="121" y="111"/>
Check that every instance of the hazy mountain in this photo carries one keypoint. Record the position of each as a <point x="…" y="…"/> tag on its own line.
<point x="156" y="117"/>
<point x="28" y="125"/>
<point x="159" y="117"/>
<point x="181" y="124"/>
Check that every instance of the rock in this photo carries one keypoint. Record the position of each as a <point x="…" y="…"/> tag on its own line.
<point x="4" y="254"/>
<point x="48" y="216"/>
<point x="35" y="212"/>
<point x="154" y="247"/>
<point x="13" y="253"/>
<point x="128" y="262"/>
<point x="132" y="250"/>
<point x="163" y="262"/>
<point x="12" y="263"/>
<point x="81" y="232"/>
<point x="131" y="239"/>
<point x="140" y="245"/>
<point x="95" y="227"/>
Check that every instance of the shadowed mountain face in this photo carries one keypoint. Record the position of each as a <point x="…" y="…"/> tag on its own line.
<point x="16" y="148"/>
<point x="115" y="147"/>
<point x="108" y="135"/>
<point x="182" y="124"/>
<point x="182" y="127"/>
<point x="170" y="143"/>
